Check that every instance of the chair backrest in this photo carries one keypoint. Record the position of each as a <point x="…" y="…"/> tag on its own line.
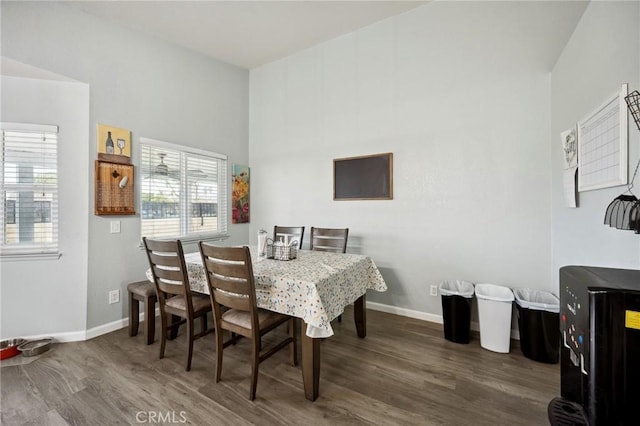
<point x="230" y="278"/>
<point x="166" y="260"/>
<point x="329" y="239"/>
<point x="296" y="232"/>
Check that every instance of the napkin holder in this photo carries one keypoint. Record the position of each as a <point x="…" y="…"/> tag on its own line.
<point x="281" y="251"/>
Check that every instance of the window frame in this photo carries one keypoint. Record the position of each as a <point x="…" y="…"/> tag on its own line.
<point x="32" y="250"/>
<point x="183" y="203"/>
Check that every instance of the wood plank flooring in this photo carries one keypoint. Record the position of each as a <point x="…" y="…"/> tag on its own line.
<point x="403" y="373"/>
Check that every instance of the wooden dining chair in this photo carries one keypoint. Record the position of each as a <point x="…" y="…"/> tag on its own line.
<point x="178" y="305"/>
<point x="329" y="239"/>
<point x="231" y="285"/>
<point x="296" y="231"/>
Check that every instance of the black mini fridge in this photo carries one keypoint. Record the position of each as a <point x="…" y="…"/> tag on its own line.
<point x="600" y="347"/>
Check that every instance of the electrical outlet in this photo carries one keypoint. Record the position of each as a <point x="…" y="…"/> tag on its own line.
<point x="434" y="290"/>
<point x="114" y="297"/>
<point x="115" y="226"/>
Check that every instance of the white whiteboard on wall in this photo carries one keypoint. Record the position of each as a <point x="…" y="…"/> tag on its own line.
<point x="602" y="145"/>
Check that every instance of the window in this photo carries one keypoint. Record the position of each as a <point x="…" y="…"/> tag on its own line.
<point x="183" y="192"/>
<point x="29" y="189"/>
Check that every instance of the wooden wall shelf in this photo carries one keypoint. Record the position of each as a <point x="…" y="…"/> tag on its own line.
<point x="114" y="191"/>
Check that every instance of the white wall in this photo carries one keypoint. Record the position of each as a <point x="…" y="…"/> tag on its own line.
<point x="50" y="296"/>
<point x="140" y="83"/>
<point x="459" y="92"/>
<point x="603" y="53"/>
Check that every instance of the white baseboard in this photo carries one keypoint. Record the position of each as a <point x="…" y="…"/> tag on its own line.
<point x="403" y="312"/>
<point x="113" y="326"/>
<point x="107" y="328"/>
<point x="70" y="336"/>
<point x="77" y="336"/>
<point x="424" y="316"/>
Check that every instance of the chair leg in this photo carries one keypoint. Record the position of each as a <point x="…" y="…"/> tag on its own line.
<point x="163" y="339"/>
<point x="175" y="320"/>
<point x="134" y="315"/>
<point x="190" y="337"/>
<point x="150" y="319"/>
<point x="255" y="360"/>
<point x="219" y="349"/>
<point x="203" y="322"/>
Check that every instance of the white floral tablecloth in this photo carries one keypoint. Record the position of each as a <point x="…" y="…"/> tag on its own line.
<point x="316" y="286"/>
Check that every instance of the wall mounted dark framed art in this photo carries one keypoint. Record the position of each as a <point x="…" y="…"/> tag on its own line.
<point x="368" y="177"/>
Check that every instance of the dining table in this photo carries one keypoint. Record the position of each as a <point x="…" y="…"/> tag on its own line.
<point x="315" y="286"/>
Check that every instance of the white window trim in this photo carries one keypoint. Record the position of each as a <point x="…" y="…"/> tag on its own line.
<point x="16" y="127"/>
<point x="30" y="257"/>
<point x="10" y="255"/>
<point x="206" y="237"/>
<point x="182" y="148"/>
<point x="202" y="236"/>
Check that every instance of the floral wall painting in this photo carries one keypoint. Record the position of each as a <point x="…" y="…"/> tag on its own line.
<point x="114" y="144"/>
<point x="240" y="194"/>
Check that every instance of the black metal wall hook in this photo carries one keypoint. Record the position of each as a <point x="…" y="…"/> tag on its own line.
<point x="633" y="103"/>
<point x="624" y="211"/>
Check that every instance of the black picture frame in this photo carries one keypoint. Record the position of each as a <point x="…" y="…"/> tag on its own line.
<point x="367" y="177"/>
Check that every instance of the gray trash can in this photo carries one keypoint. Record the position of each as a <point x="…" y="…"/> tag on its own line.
<point x="456" y="310"/>
<point x="539" y="323"/>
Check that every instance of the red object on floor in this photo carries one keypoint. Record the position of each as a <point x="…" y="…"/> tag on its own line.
<point x="9" y="348"/>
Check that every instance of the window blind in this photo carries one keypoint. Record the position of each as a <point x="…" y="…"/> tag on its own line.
<point x="183" y="191"/>
<point x="29" y="189"/>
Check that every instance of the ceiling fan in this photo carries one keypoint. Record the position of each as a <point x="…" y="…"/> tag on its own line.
<point x="162" y="170"/>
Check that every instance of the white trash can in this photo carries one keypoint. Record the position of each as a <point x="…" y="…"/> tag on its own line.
<point x="494" y="315"/>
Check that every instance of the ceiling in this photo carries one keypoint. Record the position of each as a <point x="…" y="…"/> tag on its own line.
<point x="245" y="33"/>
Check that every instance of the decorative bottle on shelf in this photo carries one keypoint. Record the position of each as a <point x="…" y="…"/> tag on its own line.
<point x="109" y="143"/>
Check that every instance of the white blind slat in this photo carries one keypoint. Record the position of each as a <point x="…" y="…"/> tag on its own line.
<point x="222" y="200"/>
<point x="30" y="189"/>
<point x="181" y="193"/>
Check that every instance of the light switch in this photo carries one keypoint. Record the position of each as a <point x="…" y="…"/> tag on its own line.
<point x="115" y="226"/>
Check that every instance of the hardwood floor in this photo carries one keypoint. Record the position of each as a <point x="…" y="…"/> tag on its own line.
<point x="403" y="373"/>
